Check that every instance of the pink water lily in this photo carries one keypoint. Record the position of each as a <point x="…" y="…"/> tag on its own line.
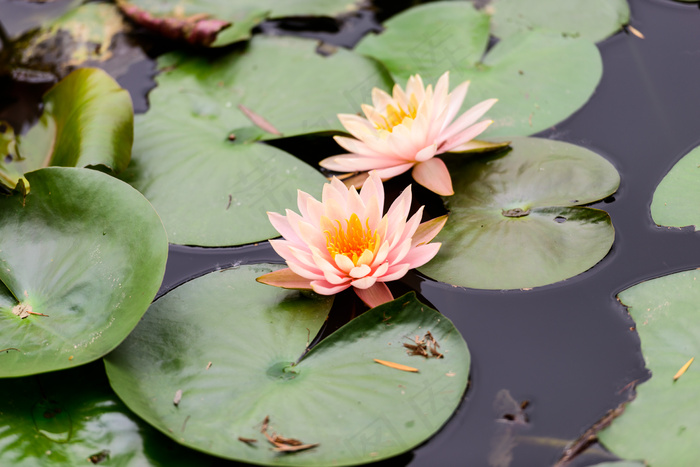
<point x="408" y="129"/>
<point x="344" y="241"/>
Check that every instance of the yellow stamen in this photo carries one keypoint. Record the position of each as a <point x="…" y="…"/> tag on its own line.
<point x="396" y="115"/>
<point x="353" y="241"/>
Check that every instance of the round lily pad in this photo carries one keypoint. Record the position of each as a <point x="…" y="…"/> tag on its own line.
<point x="222" y="22"/>
<point x="218" y="354"/>
<point x="81" y="257"/>
<point x="516" y="218"/>
<point x="74" y="129"/>
<point x="51" y="420"/>
<point x="677" y="197"/>
<point x="196" y="135"/>
<point x="540" y="78"/>
<point x="593" y="19"/>
<point x="661" y="425"/>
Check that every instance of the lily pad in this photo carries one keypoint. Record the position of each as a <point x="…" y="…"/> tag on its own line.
<point x="337" y="397"/>
<point x="516" y="218"/>
<point x="661" y="425"/>
<point x="83" y="248"/>
<point x="677" y="197"/>
<point x="222" y="22"/>
<point x="593" y="19"/>
<point x="46" y="421"/>
<point x="74" y="129"/>
<point x="539" y="77"/>
<point x="196" y="135"/>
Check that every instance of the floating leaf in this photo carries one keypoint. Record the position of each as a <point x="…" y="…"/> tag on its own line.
<point x="593" y="19"/>
<point x="662" y="423"/>
<point x="196" y="135"/>
<point x="540" y="78"/>
<point x="75" y="130"/>
<point x="515" y="218"/>
<point x="677" y="197"/>
<point x="52" y="420"/>
<point x="83" y="248"/>
<point x="222" y="22"/>
<point x="356" y="410"/>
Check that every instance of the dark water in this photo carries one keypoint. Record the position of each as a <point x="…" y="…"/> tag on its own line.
<point x="567" y="348"/>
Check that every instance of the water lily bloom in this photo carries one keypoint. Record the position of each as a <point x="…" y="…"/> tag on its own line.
<point x="344" y="241"/>
<point x="408" y="129"/>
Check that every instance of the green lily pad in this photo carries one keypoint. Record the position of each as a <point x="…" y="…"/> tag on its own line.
<point x="222" y="22"/>
<point x="184" y="140"/>
<point x="46" y="421"/>
<point x="74" y="129"/>
<point x="516" y="218"/>
<point x="83" y="248"/>
<point x="678" y="195"/>
<point x="661" y="425"/>
<point x="539" y="77"/>
<point x="337" y="396"/>
<point x="593" y="19"/>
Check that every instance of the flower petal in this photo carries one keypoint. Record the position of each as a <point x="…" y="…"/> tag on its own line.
<point x="388" y="173"/>
<point x="344" y="263"/>
<point x="426" y="153"/>
<point x="433" y="175"/>
<point x="421" y="254"/>
<point x="364" y="283"/>
<point x="324" y="288"/>
<point x="395" y="272"/>
<point x="376" y="295"/>
<point x="284" y="278"/>
<point x="360" y="271"/>
<point x="428" y="230"/>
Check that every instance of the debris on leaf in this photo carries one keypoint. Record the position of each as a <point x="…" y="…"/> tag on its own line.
<point x="396" y="366"/>
<point x="208" y="366"/>
<point x="178" y="397"/>
<point x="99" y="457"/>
<point x="23" y="310"/>
<point x="683" y="369"/>
<point x="280" y="443"/>
<point x="8" y="349"/>
<point x="426" y="347"/>
<point x="635" y="31"/>
<point x="259" y="121"/>
<point x="245" y="440"/>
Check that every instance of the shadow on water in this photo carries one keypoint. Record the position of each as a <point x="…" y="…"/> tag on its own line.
<point x="568" y="349"/>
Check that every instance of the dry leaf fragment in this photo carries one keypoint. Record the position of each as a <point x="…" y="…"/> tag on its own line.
<point x="247" y="440"/>
<point x="683" y="369"/>
<point x="178" y="397"/>
<point x="282" y="444"/>
<point x="396" y="366"/>
<point x="635" y="31"/>
<point x="259" y="121"/>
<point x="208" y="366"/>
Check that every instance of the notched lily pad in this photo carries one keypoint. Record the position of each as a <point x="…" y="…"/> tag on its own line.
<point x="46" y="421"/>
<point x="677" y="197"/>
<point x="516" y="218"/>
<point x="206" y="117"/>
<point x="662" y="423"/>
<point x="254" y="403"/>
<point x="539" y="77"/>
<point x="74" y="129"/>
<point x="81" y="257"/>
<point x="593" y="19"/>
<point x="221" y="22"/>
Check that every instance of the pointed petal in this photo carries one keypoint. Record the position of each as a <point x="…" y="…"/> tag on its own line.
<point x="376" y="295"/>
<point x="421" y="254"/>
<point x="344" y="263"/>
<point x="390" y="172"/>
<point x="284" y="278"/>
<point x="360" y="271"/>
<point x="364" y="283"/>
<point x="281" y="224"/>
<point x="426" y="153"/>
<point x="428" y="230"/>
<point x="466" y="119"/>
<point x="433" y="175"/>
<point x="467" y="135"/>
<point x="395" y="272"/>
<point x="456" y="98"/>
<point x="478" y="146"/>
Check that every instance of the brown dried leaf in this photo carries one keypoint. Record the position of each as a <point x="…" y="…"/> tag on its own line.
<point x="396" y="366"/>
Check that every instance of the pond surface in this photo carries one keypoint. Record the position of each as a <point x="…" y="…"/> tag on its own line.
<point x="569" y="349"/>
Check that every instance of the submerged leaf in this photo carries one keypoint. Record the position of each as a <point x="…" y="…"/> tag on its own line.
<point x="335" y="397"/>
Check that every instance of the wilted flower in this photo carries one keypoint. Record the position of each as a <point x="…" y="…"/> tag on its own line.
<point x="405" y="131"/>
<point x="343" y="241"/>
